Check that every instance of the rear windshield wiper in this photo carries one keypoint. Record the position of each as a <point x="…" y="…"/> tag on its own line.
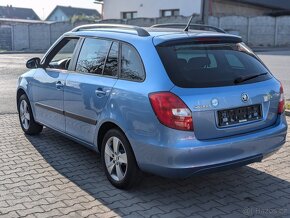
<point x="245" y="78"/>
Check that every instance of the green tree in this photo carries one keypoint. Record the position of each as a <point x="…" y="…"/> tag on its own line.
<point x="83" y="18"/>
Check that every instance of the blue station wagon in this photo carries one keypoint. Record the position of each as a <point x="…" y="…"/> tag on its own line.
<point x="162" y="100"/>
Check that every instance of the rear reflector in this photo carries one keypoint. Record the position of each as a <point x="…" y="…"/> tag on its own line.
<point x="281" y="106"/>
<point x="171" y="111"/>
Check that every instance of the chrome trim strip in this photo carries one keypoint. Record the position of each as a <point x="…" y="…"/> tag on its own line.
<point x="68" y="114"/>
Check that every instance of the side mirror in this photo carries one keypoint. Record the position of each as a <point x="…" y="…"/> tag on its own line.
<point x="33" y="63"/>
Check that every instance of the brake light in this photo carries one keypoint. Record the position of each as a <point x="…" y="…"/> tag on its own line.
<point x="281" y="106"/>
<point x="171" y="111"/>
<point x="208" y="39"/>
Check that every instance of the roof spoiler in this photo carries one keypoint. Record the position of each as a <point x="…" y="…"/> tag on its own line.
<point x="189" y="26"/>
<point x="203" y="39"/>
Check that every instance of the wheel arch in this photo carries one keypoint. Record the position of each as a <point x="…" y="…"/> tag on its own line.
<point x="103" y="129"/>
<point x="20" y="92"/>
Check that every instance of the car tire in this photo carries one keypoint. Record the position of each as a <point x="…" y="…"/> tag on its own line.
<point x="27" y="122"/>
<point x="119" y="161"/>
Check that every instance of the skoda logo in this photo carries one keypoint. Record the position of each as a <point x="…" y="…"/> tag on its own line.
<point x="245" y="97"/>
<point x="214" y="102"/>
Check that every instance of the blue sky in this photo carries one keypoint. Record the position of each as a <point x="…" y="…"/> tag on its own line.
<point x="44" y="7"/>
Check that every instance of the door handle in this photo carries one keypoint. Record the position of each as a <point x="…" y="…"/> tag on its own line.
<point x="59" y="85"/>
<point x="100" y="93"/>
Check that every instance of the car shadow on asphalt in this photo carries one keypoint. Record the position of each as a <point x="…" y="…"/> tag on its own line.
<point x="228" y="192"/>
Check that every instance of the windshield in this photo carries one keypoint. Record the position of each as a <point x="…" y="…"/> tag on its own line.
<point x="211" y="65"/>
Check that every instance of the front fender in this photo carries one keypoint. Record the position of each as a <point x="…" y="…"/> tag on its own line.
<point x="24" y="84"/>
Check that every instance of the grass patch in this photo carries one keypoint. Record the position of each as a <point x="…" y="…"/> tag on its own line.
<point x="287" y="105"/>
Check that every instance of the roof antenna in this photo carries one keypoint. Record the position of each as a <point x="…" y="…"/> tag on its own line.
<point x="188" y="24"/>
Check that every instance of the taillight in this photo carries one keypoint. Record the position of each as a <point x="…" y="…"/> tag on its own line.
<point x="171" y="111"/>
<point x="281" y="106"/>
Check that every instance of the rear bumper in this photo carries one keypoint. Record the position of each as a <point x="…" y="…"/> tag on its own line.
<point x="188" y="156"/>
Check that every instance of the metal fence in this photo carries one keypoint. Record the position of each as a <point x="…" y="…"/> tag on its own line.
<point x="6" y="38"/>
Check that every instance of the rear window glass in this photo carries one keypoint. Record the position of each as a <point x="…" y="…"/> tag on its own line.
<point x="211" y="65"/>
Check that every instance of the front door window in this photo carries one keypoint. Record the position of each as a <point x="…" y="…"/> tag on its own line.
<point x="62" y="55"/>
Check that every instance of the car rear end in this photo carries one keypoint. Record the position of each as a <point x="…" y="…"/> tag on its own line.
<point x="226" y="109"/>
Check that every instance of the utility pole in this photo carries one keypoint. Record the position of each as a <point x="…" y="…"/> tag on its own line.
<point x="205" y="11"/>
<point x="100" y="2"/>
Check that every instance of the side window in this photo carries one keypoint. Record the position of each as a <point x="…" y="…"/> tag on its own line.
<point x="93" y="55"/>
<point x="131" y="67"/>
<point x="63" y="54"/>
<point x="111" y="67"/>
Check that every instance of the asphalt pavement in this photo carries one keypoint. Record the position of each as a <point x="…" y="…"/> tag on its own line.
<point x="279" y="64"/>
<point x="11" y="67"/>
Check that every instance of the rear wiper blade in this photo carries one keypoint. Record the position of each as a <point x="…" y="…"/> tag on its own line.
<point x="246" y="78"/>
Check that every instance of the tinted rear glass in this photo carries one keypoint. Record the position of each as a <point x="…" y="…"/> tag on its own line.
<point x="211" y="65"/>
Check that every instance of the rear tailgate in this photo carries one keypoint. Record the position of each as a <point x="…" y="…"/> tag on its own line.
<point x="205" y="104"/>
<point x="226" y="86"/>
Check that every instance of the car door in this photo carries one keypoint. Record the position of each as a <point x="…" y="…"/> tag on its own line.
<point x="48" y="84"/>
<point x="88" y="88"/>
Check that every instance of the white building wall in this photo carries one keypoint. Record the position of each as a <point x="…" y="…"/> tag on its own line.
<point x="149" y="8"/>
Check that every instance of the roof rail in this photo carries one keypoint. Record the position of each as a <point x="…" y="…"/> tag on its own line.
<point x="140" y="31"/>
<point x="191" y="26"/>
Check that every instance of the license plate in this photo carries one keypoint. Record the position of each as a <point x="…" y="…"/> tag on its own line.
<point x="239" y="115"/>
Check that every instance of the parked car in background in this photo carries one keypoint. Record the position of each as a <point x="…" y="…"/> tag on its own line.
<point x="162" y="100"/>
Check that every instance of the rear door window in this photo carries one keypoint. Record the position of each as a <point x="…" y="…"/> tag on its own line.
<point x="210" y="65"/>
<point x="111" y="66"/>
<point x="93" y="56"/>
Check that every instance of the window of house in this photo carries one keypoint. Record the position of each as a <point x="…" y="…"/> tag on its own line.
<point x="129" y="15"/>
<point x="169" y="13"/>
<point x="132" y="66"/>
<point x="93" y="56"/>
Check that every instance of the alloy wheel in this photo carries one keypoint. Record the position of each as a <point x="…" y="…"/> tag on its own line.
<point x="116" y="158"/>
<point x="24" y="114"/>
